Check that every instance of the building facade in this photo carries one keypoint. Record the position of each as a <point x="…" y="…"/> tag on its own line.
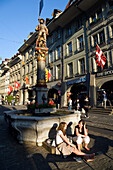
<point x="73" y="36"/>
<point x="90" y="24"/>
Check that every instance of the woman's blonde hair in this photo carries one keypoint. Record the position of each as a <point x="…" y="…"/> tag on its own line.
<point x="61" y="127"/>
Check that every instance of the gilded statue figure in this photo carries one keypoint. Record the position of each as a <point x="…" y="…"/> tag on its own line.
<point x="42" y="33"/>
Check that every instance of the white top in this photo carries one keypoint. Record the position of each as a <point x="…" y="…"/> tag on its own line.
<point x="70" y="102"/>
<point x="58" y="137"/>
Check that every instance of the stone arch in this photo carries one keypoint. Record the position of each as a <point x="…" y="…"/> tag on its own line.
<point x="102" y="81"/>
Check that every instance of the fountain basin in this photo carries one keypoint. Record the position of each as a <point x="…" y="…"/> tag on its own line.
<point x="45" y="110"/>
<point x="35" y="128"/>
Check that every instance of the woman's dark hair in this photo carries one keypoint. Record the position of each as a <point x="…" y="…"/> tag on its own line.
<point x="83" y="121"/>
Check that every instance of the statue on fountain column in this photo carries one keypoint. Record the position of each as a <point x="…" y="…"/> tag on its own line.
<point x="42" y="34"/>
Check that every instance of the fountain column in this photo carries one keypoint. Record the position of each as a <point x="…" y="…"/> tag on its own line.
<point x="41" y="52"/>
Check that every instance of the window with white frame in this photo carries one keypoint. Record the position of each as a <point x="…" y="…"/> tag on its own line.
<point x="95" y="40"/>
<point x="31" y="80"/>
<point x="70" y="69"/>
<point x="58" y="51"/>
<point x="23" y="70"/>
<point x="27" y="54"/>
<point x="51" y="57"/>
<point x="81" y="66"/>
<point x="80" y="43"/>
<point x="58" y="72"/>
<point x="111" y="31"/>
<point x="102" y="37"/>
<point x="69" y="49"/>
<point x="98" y="38"/>
<point x="28" y="68"/>
<point x="110" y="59"/>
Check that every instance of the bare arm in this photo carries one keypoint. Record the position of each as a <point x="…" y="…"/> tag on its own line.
<point x="77" y="133"/>
<point x="66" y="140"/>
<point x="85" y="131"/>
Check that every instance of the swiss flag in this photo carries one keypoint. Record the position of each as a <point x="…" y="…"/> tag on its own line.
<point x="9" y="89"/>
<point x="17" y="85"/>
<point x="100" y="58"/>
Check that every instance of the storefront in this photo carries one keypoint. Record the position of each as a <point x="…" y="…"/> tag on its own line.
<point x="76" y="88"/>
<point x="104" y="82"/>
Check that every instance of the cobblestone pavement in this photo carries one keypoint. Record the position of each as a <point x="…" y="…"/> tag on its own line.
<point x="14" y="156"/>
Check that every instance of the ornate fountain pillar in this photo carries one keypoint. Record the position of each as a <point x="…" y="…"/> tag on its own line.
<point x="41" y="52"/>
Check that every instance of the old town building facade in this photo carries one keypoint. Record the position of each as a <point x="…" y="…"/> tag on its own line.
<point x="73" y="36"/>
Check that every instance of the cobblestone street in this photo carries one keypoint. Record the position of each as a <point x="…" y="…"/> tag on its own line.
<point x="14" y="156"/>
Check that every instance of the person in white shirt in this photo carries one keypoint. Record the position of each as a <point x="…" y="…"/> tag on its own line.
<point x="69" y="104"/>
<point x="66" y="147"/>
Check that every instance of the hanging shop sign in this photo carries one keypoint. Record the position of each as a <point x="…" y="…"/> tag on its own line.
<point x="79" y="80"/>
<point x="104" y="73"/>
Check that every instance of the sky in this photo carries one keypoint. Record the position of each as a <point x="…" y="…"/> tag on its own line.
<point x="20" y="17"/>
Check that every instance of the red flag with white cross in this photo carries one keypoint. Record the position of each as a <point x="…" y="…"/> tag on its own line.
<point x="100" y="57"/>
<point x="10" y="88"/>
<point x="17" y="85"/>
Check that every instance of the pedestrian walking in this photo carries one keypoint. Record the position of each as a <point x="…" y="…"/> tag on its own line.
<point x="86" y="106"/>
<point x="69" y="104"/>
<point x="105" y="99"/>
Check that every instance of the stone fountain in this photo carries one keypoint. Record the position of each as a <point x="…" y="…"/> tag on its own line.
<point x="29" y="128"/>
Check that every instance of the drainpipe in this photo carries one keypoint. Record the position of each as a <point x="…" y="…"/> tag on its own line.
<point x="62" y="76"/>
<point x="87" y="56"/>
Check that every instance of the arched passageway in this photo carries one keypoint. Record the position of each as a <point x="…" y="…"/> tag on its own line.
<point x="78" y="91"/>
<point x="108" y="87"/>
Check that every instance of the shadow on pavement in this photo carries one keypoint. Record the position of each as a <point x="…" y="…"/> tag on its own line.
<point x="40" y="162"/>
<point x="101" y="145"/>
